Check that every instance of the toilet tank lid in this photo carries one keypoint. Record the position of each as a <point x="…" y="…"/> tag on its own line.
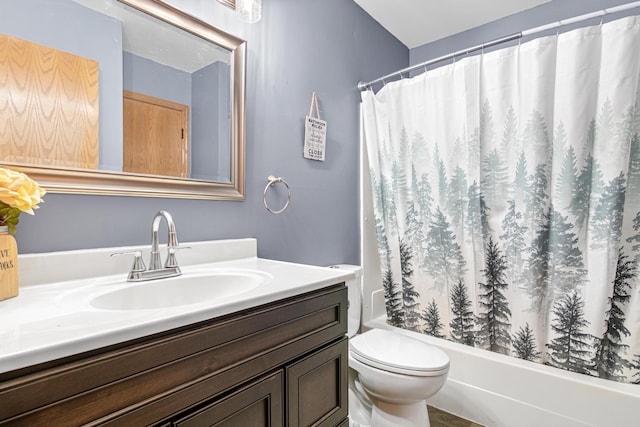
<point x="399" y="351"/>
<point x="356" y="269"/>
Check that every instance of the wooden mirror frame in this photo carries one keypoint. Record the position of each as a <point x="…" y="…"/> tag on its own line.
<point x="82" y="181"/>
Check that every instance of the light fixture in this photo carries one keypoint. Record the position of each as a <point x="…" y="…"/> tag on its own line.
<point x="249" y="10"/>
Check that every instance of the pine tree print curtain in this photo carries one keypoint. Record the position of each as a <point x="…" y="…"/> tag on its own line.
<point x="507" y="200"/>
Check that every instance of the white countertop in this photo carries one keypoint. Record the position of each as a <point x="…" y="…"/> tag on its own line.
<point x="50" y="320"/>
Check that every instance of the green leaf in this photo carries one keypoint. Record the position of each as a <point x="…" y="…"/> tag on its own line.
<point x="9" y="216"/>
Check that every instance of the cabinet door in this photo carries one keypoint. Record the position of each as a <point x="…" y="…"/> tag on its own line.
<point x="317" y="387"/>
<point x="257" y="404"/>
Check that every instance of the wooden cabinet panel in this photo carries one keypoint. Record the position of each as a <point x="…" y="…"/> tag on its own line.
<point x="317" y="387"/>
<point x="259" y="404"/>
<point x="49" y="109"/>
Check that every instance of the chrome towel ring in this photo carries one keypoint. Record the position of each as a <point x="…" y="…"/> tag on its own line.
<point x="271" y="181"/>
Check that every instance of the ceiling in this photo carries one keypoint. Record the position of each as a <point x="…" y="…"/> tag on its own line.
<point x="416" y="22"/>
<point x="158" y="41"/>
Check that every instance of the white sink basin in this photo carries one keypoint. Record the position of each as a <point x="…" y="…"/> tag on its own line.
<point x="193" y="288"/>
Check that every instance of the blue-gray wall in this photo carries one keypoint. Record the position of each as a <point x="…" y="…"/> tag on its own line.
<point x="142" y="75"/>
<point x="298" y="47"/>
<point x="211" y="123"/>
<point x="546" y="13"/>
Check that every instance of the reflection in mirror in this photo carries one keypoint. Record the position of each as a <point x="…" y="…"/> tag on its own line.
<point x="121" y="97"/>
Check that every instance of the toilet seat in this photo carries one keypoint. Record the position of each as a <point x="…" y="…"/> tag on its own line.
<point x="398" y="353"/>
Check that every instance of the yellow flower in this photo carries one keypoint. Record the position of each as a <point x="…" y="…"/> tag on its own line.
<point x="18" y="193"/>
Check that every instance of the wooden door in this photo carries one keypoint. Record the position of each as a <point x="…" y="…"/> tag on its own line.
<point x="155" y="136"/>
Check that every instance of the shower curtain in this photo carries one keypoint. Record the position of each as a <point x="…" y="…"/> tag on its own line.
<point x="507" y="200"/>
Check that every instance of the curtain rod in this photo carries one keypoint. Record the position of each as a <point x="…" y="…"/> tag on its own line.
<point x="364" y="86"/>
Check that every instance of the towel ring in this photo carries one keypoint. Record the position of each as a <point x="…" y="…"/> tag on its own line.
<point x="271" y="181"/>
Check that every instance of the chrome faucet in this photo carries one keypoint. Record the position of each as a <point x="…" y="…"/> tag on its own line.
<point x="156" y="270"/>
<point x="172" y="243"/>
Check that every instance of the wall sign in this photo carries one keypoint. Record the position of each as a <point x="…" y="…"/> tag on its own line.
<point x="315" y="133"/>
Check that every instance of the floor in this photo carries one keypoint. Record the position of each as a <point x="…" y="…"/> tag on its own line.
<point x="439" y="418"/>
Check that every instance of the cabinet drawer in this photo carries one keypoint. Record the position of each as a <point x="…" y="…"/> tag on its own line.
<point x="317" y="387"/>
<point x="258" y="404"/>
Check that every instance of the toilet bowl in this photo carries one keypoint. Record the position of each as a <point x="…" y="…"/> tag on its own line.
<point x="398" y="374"/>
<point x="391" y="374"/>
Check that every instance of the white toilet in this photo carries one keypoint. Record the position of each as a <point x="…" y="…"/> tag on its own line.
<point x="391" y="374"/>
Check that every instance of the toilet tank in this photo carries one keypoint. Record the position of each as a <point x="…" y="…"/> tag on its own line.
<point x="354" y="292"/>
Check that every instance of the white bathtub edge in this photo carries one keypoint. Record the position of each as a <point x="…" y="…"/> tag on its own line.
<point x="500" y="391"/>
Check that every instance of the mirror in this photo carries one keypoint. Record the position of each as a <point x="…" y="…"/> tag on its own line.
<point x="128" y="97"/>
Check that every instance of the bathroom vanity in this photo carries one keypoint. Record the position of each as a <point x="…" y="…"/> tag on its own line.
<point x="267" y="359"/>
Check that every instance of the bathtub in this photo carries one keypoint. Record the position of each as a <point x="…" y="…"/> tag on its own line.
<point x="502" y="391"/>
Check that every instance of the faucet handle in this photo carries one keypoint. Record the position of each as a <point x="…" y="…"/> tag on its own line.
<point x="138" y="263"/>
<point x="171" y="256"/>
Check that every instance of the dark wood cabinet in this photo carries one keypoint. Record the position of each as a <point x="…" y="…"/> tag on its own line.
<point x="283" y="363"/>
<point x="315" y="392"/>
<point x="257" y="404"/>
